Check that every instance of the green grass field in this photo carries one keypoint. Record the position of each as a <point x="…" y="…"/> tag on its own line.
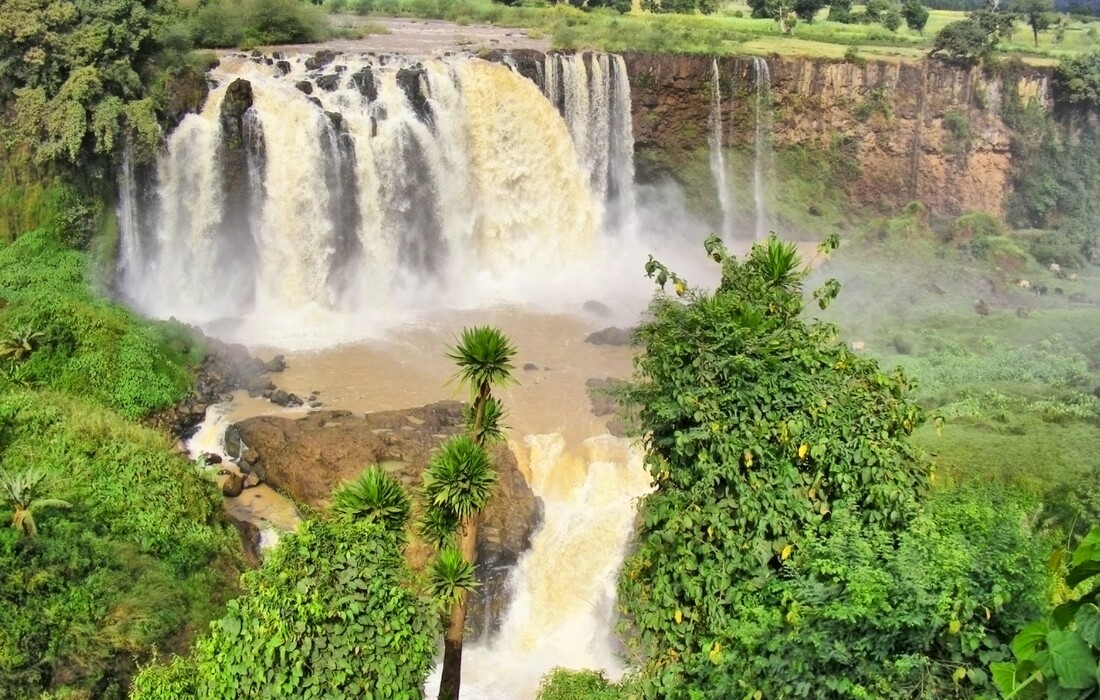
<point x="723" y="33"/>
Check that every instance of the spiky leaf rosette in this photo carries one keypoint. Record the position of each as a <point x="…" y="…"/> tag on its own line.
<point x="460" y="477"/>
<point x="450" y="577"/>
<point x="484" y="358"/>
<point x="375" y="497"/>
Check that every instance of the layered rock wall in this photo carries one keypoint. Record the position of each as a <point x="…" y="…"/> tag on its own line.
<point x="917" y="130"/>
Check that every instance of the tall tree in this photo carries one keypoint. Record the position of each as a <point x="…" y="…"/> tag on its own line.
<point x="915" y="14"/>
<point x="1038" y="14"/>
<point x="459" y="482"/>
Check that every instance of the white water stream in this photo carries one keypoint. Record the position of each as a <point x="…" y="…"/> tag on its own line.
<point x="716" y="141"/>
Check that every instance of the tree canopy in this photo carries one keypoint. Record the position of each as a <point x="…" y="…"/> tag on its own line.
<point x="74" y="71"/>
<point x="778" y="556"/>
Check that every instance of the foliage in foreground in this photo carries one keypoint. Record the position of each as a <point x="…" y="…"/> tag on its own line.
<point x="786" y="551"/>
<point x="138" y="558"/>
<point x="1057" y="657"/>
<point x="568" y="684"/>
<point x="326" y="615"/>
<point x="83" y="344"/>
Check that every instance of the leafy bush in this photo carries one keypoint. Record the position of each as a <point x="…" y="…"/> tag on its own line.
<point x="326" y="615"/>
<point x="972" y="226"/>
<point x="224" y="23"/>
<point x="88" y="346"/>
<point x="1078" y="79"/>
<point x="1056" y="657"/>
<point x="1060" y="247"/>
<point x="916" y="614"/>
<point x="758" y="426"/>
<point x="567" y="684"/>
<point x="137" y="559"/>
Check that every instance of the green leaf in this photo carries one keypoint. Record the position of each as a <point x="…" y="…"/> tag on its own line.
<point x="1087" y="622"/>
<point x="1004" y="676"/>
<point x="1081" y="572"/>
<point x="1027" y="641"/>
<point x="1073" y="662"/>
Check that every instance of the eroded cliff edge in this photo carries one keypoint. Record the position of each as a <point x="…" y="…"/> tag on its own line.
<point x="925" y="131"/>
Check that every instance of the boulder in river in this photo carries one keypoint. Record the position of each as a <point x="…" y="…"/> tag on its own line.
<point x="308" y="458"/>
<point x="611" y="336"/>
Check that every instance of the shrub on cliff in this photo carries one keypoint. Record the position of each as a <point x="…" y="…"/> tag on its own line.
<point x="85" y="344"/>
<point x="139" y="557"/>
<point x="327" y="615"/>
<point x="1078" y="79"/>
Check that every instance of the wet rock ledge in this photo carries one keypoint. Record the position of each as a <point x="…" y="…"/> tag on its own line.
<point x="308" y="458"/>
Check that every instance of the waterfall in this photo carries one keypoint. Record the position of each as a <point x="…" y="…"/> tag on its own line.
<point x="762" y="146"/>
<point x="592" y="93"/>
<point x="717" y="156"/>
<point x="130" y="254"/>
<point x="375" y="184"/>
<point x="563" y="590"/>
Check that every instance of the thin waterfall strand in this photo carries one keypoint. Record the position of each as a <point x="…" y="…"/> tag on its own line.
<point x="718" y="158"/>
<point x="762" y="150"/>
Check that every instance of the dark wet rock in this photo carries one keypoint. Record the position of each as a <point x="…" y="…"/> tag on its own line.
<point x="225" y="368"/>
<point x="339" y="69"/>
<point x="279" y="397"/>
<point x="210" y="458"/>
<point x="233" y="485"/>
<point x="316" y="102"/>
<point x="259" y="385"/>
<point x="283" y="67"/>
<point x="337" y="121"/>
<point x="320" y="59"/>
<point x="252" y="480"/>
<point x="275" y="364"/>
<point x="307" y="458"/>
<point x="363" y="80"/>
<point x="530" y="367"/>
<point x="305" y="86"/>
<point x="597" y="308"/>
<point x="611" y="336"/>
<point x="250" y="538"/>
<point x="328" y="82"/>
<point x="601" y="394"/>
<point x="410" y="81"/>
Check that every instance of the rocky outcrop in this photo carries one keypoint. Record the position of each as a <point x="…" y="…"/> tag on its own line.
<point x="225" y="368"/>
<point x="910" y="130"/>
<point x="308" y="458"/>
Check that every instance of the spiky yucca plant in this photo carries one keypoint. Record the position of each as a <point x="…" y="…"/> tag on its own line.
<point x="450" y="577"/>
<point x="375" y="497"/>
<point x="19" y="490"/>
<point x="460" y="478"/>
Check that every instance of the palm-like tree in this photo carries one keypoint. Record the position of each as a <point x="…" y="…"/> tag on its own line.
<point x="19" y="491"/>
<point x="457" y="484"/>
<point x="375" y="497"/>
<point x="460" y="480"/>
<point x="484" y="358"/>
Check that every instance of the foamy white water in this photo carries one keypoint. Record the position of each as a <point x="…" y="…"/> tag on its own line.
<point x="563" y="601"/>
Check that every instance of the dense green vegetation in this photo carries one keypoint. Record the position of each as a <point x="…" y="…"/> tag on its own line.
<point x="77" y="341"/>
<point x="791" y="549"/>
<point x="809" y="27"/>
<point x="141" y="559"/>
<point x="327" y="615"/>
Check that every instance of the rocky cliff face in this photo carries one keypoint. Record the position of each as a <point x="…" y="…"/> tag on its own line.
<point x="308" y="458"/>
<point x="926" y="130"/>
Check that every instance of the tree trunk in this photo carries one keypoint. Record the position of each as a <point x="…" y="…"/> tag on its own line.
<point x="450" y="680"/>
<point x="1035" y="33"/>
